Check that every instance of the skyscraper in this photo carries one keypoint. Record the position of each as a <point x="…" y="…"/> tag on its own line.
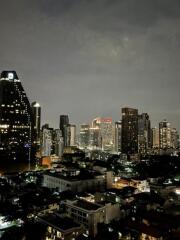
<point x="118" y="136"/>
<point x="70" y="135"/>
<point x="155" y="138"/>
<point x="95" y="141"/>
<point x="106" y="132"/>
<point x="84" y="136"/>
<point x="144" y="133"/>
<point x="36" y="113"/>
<point x="129" y="130"/>
<point x="15" y="119"/>
<point x="51" y="141"/>
<point x="174" y="138"/>
<point x="165" y="135"/>
<point x="47" y="140"/>
<point x="58" y="142"/>
<point x="73" y="135"/>
<point x="64" y="121"/>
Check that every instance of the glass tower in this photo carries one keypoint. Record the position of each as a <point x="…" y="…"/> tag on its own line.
<point x="15" y="119"/>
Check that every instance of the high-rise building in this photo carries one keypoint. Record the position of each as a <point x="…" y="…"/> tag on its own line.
<point x="51" y="142"/>
<point x="165" y="135"/>
<point x="58" y="142"/>
<point x="73" y="135"/>
<point x="118" y="136"/>
<point x="129" y="130"/>
<point x="95" y="141"/>
<point x="144" y="133"/>
<point x="15" y="119"/>
<point x="106" y="132"/>
<point x="174" y="138"/>
<point x="36" y="113"/>
<point x="155" y="138"/>
<point x="84" y="136"/>
<point x="47" y="140"/>
<point x="64" y="121"/>
<point x="70" y="135"/>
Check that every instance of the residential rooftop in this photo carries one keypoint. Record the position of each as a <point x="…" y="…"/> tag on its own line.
<point x="68" y="177"/>
<point x="87" y="205"/>
<point x="62" y="223"/>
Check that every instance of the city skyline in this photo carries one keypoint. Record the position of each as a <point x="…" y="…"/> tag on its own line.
<point x="91" y="58"/>
<point x="89" y="119"/>
<point x="22" y="136"/>
<point x="37" y="105"/>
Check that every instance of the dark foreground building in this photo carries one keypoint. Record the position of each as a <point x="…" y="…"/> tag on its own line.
<point x="64" y="122"/>
<point x="129" y="130"/>
<point x="15" y="120"/>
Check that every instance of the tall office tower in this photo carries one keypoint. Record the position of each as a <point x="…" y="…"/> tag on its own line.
<point x="64" y="121"/>
<point x="144" y="133"/>
<point x="165" y="135"/>
<point x="95" y="141"/>
<point x="106" y="132"/>
<point x="15" y="119"/>
<point x="129" y="130"/>
<point x="73" y="135"/>
<point x="70" y="135"/>
<point x="84" y="136"/>
<point x="155" y="138"/>
<point x="174" y="138"/>
<point x="58" y="142"/>
<point x="36" y="113"/>
<point x="47" y="141"/>
<point x="118" y="136"/>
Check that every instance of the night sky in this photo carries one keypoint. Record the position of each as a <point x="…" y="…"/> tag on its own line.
<point x="89" y="58"/>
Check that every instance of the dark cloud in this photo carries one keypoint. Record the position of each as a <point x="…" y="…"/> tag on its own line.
<point x="91" y="57"/>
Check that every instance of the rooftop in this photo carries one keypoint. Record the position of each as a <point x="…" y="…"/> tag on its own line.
<point x="63" y="223"/>
<point x="143" y="228"/>
<point x="87" y="205"/>
<point x="83" y="175"/>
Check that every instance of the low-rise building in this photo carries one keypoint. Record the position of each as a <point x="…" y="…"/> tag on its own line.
<point x="90" y="214"/>
<point x="78" y="182"/>
<point x="60" y="227"/>
<point x="141" y="185"/>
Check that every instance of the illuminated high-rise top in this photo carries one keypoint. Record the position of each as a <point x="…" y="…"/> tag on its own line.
<point x="9" y="76"/>
<point x="15" y="119"/>
<point x="36" y="112"/>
